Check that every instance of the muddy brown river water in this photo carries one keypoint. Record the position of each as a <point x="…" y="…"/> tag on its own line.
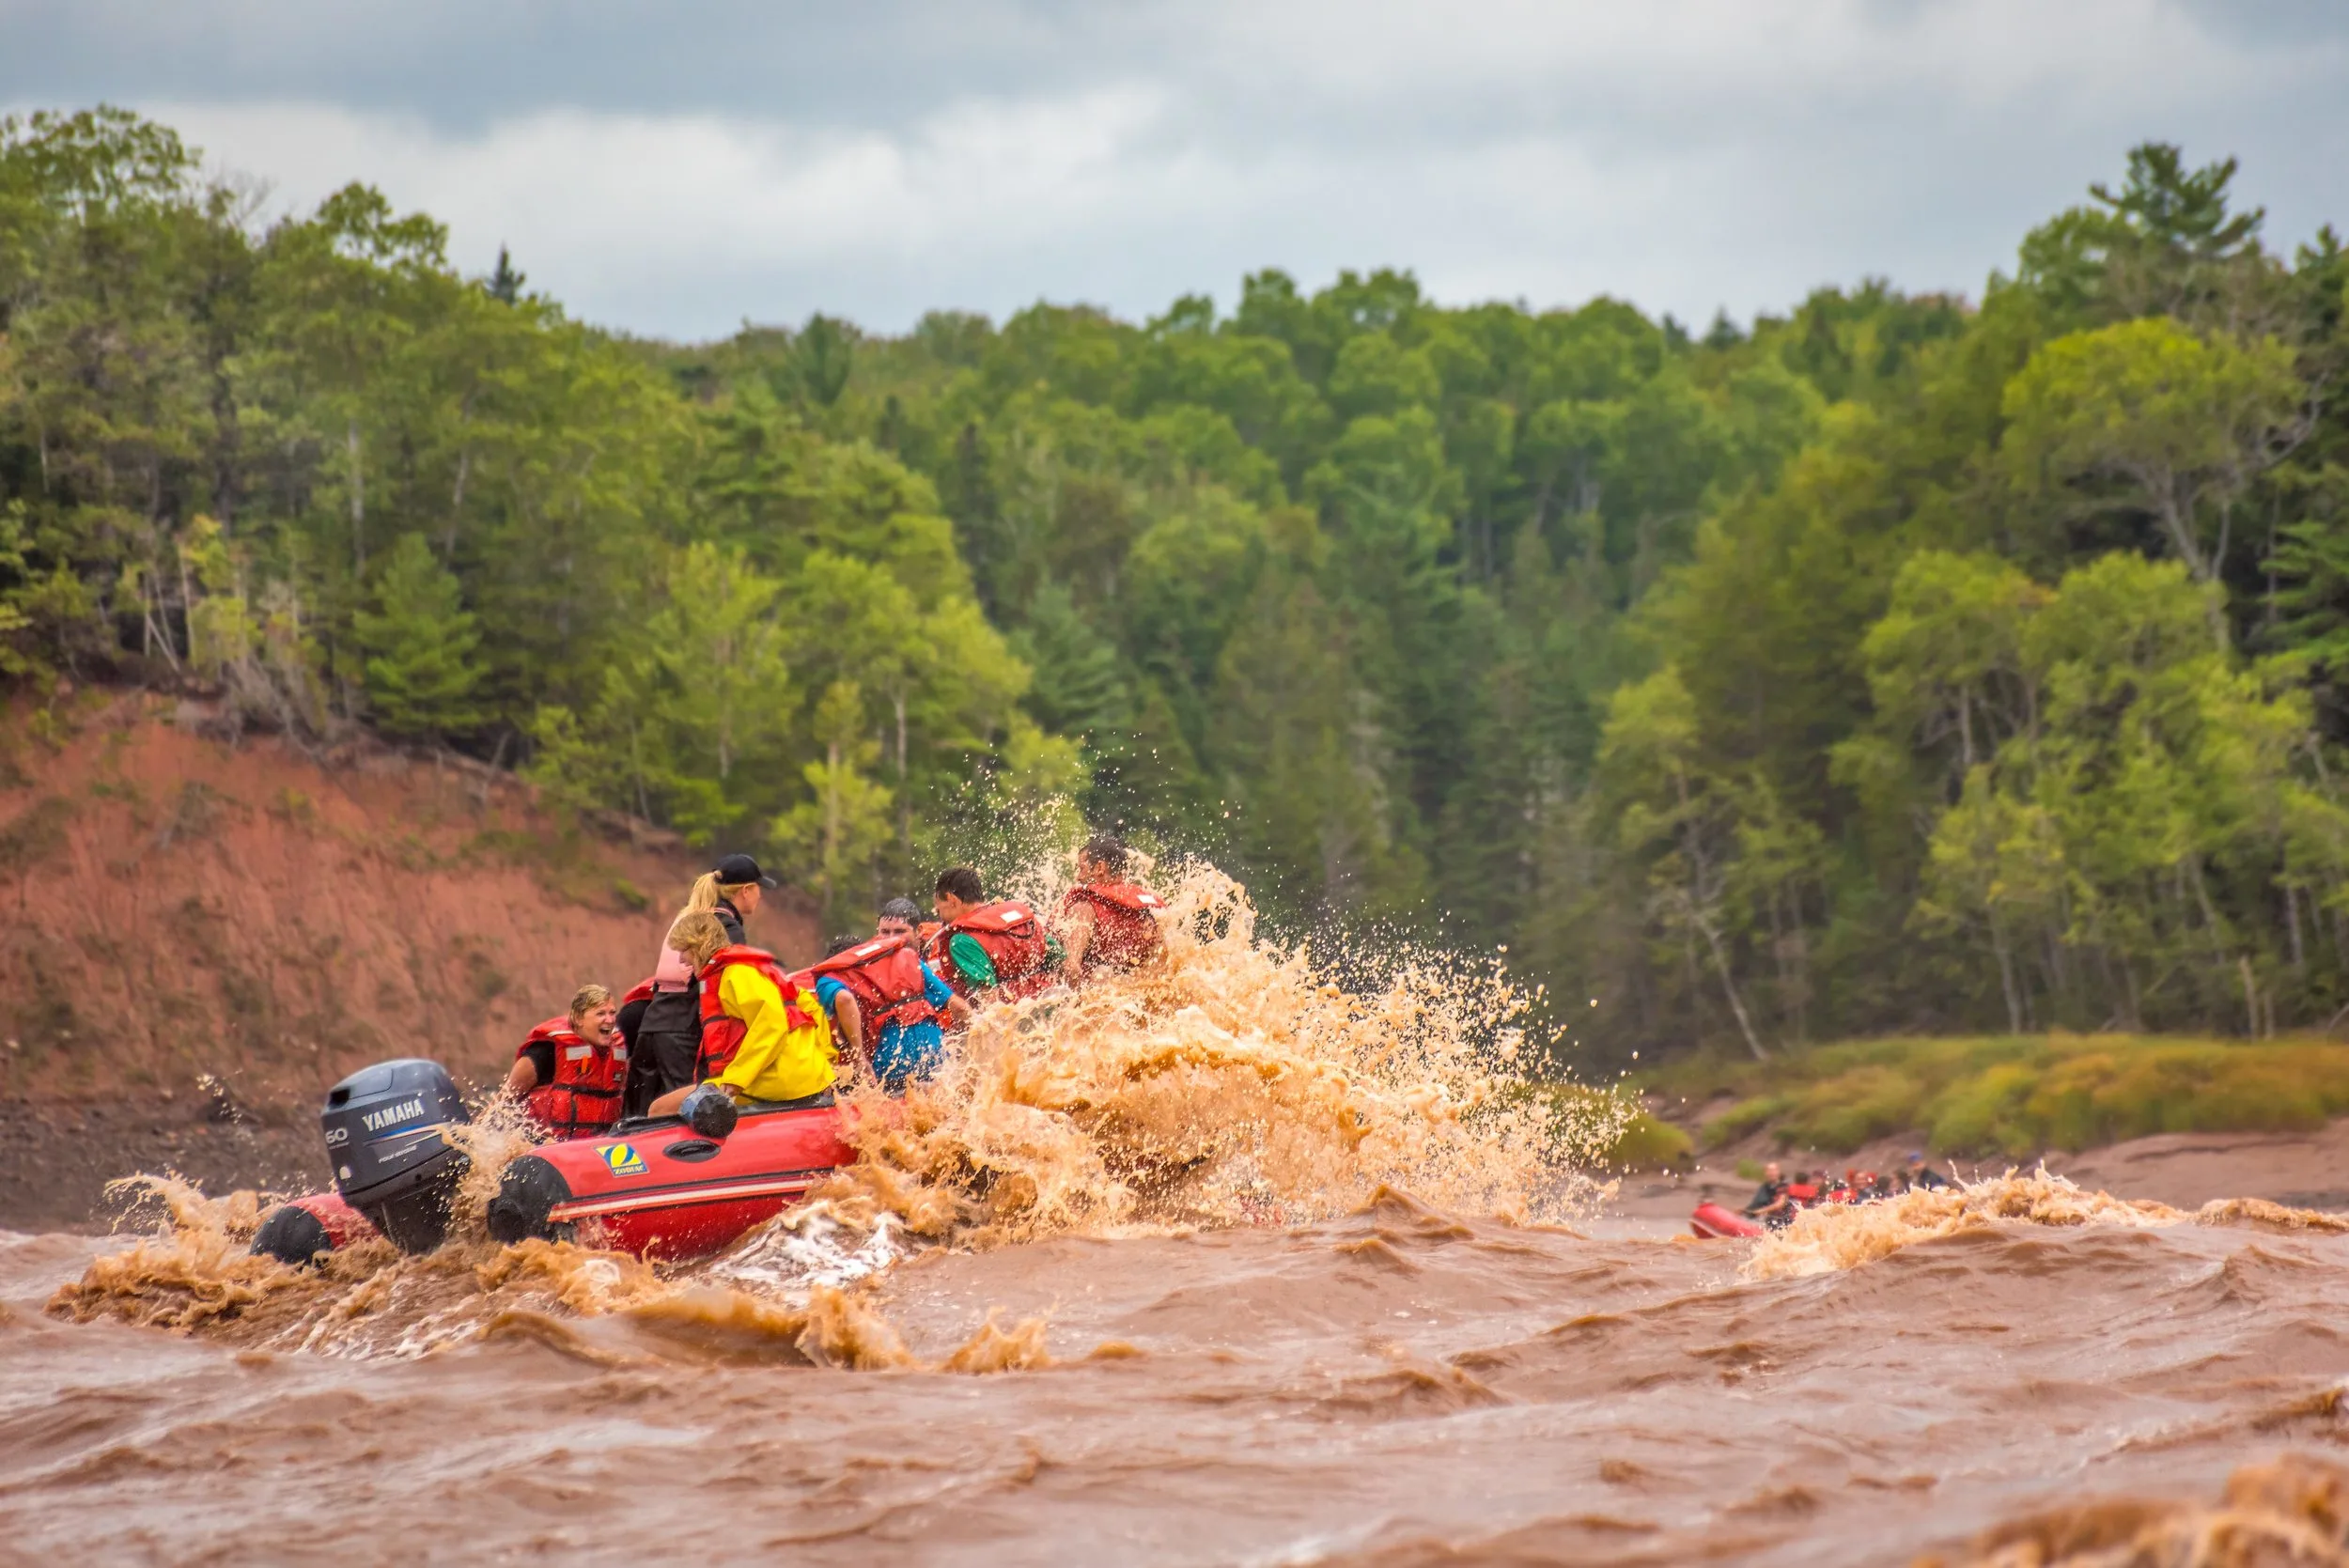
<point x="1177" y="1278"/>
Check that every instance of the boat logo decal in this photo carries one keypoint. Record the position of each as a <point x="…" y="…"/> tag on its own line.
<point x="377" y="1120"/>
<point x="623" y="1159"/>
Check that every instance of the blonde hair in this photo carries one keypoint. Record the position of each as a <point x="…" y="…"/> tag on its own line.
<point x="697" y="934"/>
<point x="708" y="889"/>
<point x="587" y="999"/>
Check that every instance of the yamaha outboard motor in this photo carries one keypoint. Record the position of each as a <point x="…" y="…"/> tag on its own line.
<point x="384" y="1127"/>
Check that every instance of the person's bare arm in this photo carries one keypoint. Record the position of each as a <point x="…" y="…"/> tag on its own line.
<point x="850" y="1019"/>
<point x="1076" y="936"/>
<point x="666" y="1105"/>
<point x="958" y="1013"/>
<point x="523" y="1079"/>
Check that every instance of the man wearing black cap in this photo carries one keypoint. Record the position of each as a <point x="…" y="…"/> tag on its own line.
<point x="668" y="1033"/>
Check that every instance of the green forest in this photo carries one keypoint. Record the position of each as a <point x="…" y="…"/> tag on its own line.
<point x="1903" y="662"/>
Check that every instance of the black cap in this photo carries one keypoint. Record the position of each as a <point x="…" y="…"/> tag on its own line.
<point x="742" y="869"/>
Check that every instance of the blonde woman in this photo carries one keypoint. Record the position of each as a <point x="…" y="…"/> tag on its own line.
<point x="731" y="890"/>
<point x="764" y="1040"/>
<point x="570" y="1072"/>
<point x="668" y="1032"/>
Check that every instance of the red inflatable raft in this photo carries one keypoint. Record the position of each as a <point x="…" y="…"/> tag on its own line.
<point x="664" y="1191"/>
<point x="1713" y="1222"/>
<point x="656" y="1189"/>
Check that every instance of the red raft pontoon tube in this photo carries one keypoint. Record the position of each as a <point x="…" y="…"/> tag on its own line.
<point x="655" y="1187"/>
<point x="660" y="1189"/>
<point x="1713" y="1222"/>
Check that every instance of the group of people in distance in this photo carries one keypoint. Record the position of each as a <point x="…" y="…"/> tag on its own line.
<point x="1776" y="1201"/>
<point x="720" y="1017"/>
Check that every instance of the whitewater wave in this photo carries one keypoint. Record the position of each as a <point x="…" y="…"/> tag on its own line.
<point x="1837" y="1236"/>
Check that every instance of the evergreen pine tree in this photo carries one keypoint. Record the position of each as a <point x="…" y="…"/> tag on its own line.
<point x="821" y="360"/>
<point x="1078" y="689"/>
<point x="506" y="282"/>
<point x="419" y="646"/>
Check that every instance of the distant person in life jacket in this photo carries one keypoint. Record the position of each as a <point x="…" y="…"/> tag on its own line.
<point x="1923" y="1176"/>
<point x="996" y="950"/>
<point x="886" y="1002"/>
<point x="1770" y="1203"/>
<point x="569" y="1073"/>
<point x="1105" y="921"/>
<point x="667" y="1038"/>
<point x="763" y="1037"/>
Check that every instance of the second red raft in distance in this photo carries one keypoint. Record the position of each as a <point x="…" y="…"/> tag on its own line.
<point x="1713" y="1222"/>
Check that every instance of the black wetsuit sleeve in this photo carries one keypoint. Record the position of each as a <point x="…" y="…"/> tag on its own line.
<point x="731" y="918"/>
<point x="632" y="1019"/>
<point x="1764" y="1196"/>
<point x="667" y="1013"/>
<point x="541" y="1054"/>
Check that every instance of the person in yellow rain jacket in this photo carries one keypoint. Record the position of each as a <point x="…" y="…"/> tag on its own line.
<point x="764" y="1039"/>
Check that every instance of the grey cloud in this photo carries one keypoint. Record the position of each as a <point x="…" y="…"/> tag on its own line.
<point x="2289" y="23"/>
<point x="462" y="66"/>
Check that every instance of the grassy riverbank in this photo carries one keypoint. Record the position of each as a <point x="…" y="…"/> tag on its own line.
<point x="2013" y="1096"/>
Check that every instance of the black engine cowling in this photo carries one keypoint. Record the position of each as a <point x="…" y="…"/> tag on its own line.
<point x="383" y="1129"/>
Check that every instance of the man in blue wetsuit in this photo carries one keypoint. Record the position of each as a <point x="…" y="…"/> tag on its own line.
<point x="908" y="1044"/>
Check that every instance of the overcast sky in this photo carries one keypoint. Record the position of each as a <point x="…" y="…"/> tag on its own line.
<point x="675" y="168"/>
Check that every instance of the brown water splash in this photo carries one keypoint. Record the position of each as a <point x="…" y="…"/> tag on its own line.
<point x="372" y="1303"/>
<point x="699" y="1324"/>
<point x="2258" y="1214"/>
<point x="587" y="1282"/>
<point x="1235" y="1084"/>
<point x="1020" y="1348"/>
<point x="198" y="1271"/>
<point x="170" y="1284"/>
<point x="2294" y="1511"/>
<point x="1844" y="1235"/>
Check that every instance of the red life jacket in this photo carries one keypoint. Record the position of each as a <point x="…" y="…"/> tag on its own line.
<point x="584" y="1096"/>
<point x="885" y="977"/>
<point x="1011" y="934"/>
<point x="641" y="991"/>
<point x="722" y="1033"/>
<point x="1802" y="1192"/>
<point x="1125" y="930"/>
